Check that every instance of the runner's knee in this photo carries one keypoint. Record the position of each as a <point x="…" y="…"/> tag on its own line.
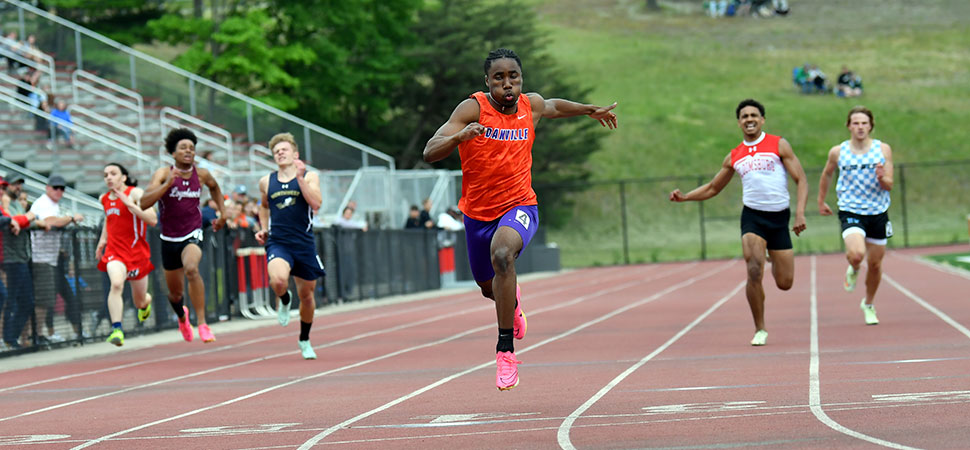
<point x="855" y="257"/>
<point x="503" y="260"/>
<point x="755" y="270"/>
<point x="784" y="282"/>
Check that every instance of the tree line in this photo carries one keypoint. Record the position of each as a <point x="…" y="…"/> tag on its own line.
<point x="386" y="73"/>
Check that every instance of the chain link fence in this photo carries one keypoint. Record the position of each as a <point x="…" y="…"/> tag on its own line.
<point x="632" y="221"/>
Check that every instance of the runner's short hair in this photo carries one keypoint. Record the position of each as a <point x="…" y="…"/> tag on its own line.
<point x="749" y="102"/>
<point x="501" y="53"/>
<point x="283" y="137"/>
<point x="863" y="110"/>
<point x="176" y="135"/>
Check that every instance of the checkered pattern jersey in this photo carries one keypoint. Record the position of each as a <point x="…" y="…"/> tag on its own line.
<point x="858" y="188"/>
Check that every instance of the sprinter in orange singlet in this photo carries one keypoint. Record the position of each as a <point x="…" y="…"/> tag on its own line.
<point x="494" y="132"/>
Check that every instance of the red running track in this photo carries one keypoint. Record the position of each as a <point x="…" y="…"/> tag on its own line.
<point x="652" y="356"/>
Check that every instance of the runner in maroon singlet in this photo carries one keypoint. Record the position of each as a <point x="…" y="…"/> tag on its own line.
<point x="177" y="190"/>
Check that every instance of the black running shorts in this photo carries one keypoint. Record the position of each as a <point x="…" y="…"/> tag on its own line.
<point x="772" y="226"/>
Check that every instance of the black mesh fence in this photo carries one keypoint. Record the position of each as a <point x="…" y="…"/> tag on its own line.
<point x="61" y="301"/>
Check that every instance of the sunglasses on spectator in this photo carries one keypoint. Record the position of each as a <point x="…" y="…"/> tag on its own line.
<point x="58" y="188"/>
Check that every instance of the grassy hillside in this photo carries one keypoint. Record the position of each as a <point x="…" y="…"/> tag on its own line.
<point x="678" y="76"/>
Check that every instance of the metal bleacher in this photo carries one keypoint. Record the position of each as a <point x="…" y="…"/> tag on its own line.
<point x="123" y="101"/>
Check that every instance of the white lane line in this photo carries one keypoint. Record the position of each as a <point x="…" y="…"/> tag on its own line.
<point x="929" y="307"/>
<point x="814" y="388"/>
<point x="361" y="363"/>
<point x="563" y="434"/>
<point x="264" y="358"/>
<point x="224" y="347"/>
<point x="314" y="440"/>
<point x="243" y="363"/>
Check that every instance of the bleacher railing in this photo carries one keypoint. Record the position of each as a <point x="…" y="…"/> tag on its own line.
<point x="200" y="97"/>
<point x="110" y="92"/>
<point x="108" y="127"/>
<point x="45" y="66"/>
<point x="142" y="162"/>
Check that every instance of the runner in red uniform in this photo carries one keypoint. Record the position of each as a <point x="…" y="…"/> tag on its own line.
<point x="122" y="250"/>
<point x="764" y="162"/>
<point x="494" y="132"/>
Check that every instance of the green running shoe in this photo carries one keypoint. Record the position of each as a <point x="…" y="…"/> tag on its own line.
<point x="143" y="314"/>
<point x="117" y="337"/>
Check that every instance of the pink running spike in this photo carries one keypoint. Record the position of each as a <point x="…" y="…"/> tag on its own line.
<point x="205" y="333"/>
<point x="184" y="326"/>
<point x="519" y="324"/>
<point x="507" y="371"/>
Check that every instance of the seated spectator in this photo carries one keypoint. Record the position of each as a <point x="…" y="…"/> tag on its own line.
<point x="346" y="220"/>
<point x="451" y="220"/>
<point x="414" y="218"/>
<point x="818" y="79"/>
<point x="800" y="78"/>
<point x="61" y="112"/>
<point x="781" y="7"/>
<point x="848" y="84"/>
<point x="10" y="44"/>
<point x="40" y="99"/>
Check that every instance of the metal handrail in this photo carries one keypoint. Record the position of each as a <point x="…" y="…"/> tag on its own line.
<point x="90" y="82"/>
<point x="250" y="102"/>
<point x="77" y="128"/>
<point x="19" y="83"/>
<point x="135" y="144"/>
<point x="254" y="151"/>
<point x="17" y="56"/>
<point x="226" y="142"/>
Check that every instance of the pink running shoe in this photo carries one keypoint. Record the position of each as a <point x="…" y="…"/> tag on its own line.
<point x="205" y="333"/>
<point x="507" y="372"/>
<point x="519" y="325"/>
<point x="185" y="327"/>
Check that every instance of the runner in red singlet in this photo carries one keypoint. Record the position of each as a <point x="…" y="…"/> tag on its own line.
<point x="178" y="189"/>
<point x="764" y="163"/>
<point x="122" y="250"/>
<point x="494" y="132"/>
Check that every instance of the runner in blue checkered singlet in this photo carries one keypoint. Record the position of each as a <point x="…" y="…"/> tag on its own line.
<point x="865" y="179"/>
<point x="858" y="189"/>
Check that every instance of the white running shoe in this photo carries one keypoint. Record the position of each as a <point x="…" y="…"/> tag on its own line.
<point x="870" y="312"/>
<point x="283" y="311"/>
<point x="759" y="339"/>
<point x="306" y="350"/>
<point x="850" y="278"/>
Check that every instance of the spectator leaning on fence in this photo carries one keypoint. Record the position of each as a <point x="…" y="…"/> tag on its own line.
<point x="46" y="247"/>
<point x="19" y="299"/>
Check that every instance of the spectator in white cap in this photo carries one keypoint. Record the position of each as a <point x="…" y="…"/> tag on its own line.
<point x="45" y="246"/>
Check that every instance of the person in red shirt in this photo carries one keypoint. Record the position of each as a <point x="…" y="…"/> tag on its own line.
<point x="764" y="162"/>
<point x="123" y="251"/>
<point x="494" y="132"/>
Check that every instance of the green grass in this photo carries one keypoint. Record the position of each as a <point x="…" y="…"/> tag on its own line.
<point x="678" y="76"/>
<point x="959" y="260"/>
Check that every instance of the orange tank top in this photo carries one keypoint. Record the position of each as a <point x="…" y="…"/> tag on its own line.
<point x="496" y="166"/>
